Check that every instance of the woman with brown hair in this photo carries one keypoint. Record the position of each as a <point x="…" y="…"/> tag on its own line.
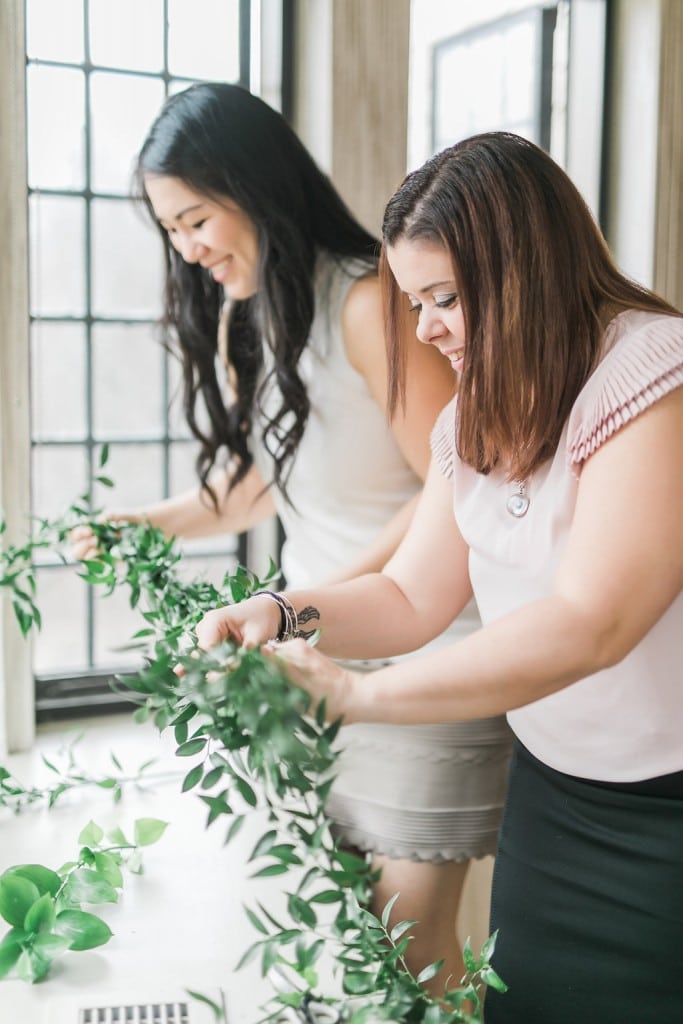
<point x="555" y="495"/>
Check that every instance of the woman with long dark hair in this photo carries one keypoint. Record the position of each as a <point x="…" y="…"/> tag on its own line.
<point x="556" y="496"/>
<point x="274" y="303"/>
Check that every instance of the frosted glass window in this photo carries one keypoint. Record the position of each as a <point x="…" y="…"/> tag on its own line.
<point x="138" y="474"/>
<point x="57" y="251"/>
<point x="183" y="475"/>
<point x="115" y="623"/>
<point x="203" y="39"/>
<point x="54" y="30"/>
<point x="127" y="382"/>
<point x="58" y="381"/>
<point x="122" y="109"/>
<point x="59" y="477"/>
<point x="60" y="645"/>
<point x="56" y="144"/>
<point x="127" y="34"/>
<point x="127" y="257"/>
<point x="178" y="427"/>
<point x="492" y="78"/>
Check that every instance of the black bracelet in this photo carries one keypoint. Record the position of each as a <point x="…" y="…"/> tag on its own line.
<point x="289" y="622"/>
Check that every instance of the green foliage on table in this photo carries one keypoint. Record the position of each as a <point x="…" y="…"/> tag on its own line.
<point x="254" y="742"/>
<point x="70" y="775"/>
<point x="44" y="907"/>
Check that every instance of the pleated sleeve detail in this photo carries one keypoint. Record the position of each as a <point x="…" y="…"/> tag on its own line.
<point x="644" y="364"/>
<point x="442" y="439"/>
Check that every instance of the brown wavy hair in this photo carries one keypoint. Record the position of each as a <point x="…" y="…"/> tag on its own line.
<point x="536" y="282"/>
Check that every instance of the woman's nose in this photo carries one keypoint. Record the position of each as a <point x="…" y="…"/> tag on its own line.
<point x="191" y="250"/>
<point x="429" y="326"/>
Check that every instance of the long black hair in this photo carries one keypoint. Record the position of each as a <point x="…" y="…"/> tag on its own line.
<point x="223" y="142"/>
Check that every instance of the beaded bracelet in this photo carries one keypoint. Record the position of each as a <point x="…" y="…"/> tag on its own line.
<point x="289" y="621"/>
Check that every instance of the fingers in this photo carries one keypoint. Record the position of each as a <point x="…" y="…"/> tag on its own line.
<point x="215" y="627"/>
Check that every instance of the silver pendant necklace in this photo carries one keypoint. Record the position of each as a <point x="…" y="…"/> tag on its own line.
<point x="518" y="503"/>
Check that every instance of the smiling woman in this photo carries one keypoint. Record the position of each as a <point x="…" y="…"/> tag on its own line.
<point x="273" y="300"/>
<point x="215" y="234"/>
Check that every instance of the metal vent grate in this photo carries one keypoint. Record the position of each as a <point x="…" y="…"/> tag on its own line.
<point x="138" y="1013"/>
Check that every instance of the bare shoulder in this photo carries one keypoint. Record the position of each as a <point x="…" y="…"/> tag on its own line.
<point x="363" y="322"/>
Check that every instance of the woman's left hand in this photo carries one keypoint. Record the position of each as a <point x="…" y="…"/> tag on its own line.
<point x="322" y="678"/>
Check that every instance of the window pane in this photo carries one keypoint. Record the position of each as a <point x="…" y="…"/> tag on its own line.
<point x="212" y="569"/>
<point x="54" y="29"/>
<point x="203" y="39"/>
<point x="137" y="472"/>
<point x="55" y="144"/>
<point x="60" y="645"/>
<point x="115" y="622"/>
<point x="57" y="240"/>
<point x="178" y="427"/>
<point x="59" y="476"/>
<point x="123" y="107"/>
<point x="127" y="34"/>
<point x="58" y="376"/>
<point x="127" y="261"/>
<point x="127" y="382"/>
<point x="182" y="472"/>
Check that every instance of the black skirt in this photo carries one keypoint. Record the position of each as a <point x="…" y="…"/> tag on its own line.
<point x="588" y="900"/>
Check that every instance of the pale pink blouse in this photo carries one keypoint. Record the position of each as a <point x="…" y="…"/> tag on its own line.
<point x="624" y="723"/>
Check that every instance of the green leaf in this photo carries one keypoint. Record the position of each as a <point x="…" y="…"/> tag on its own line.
<point x="469" y="959"/>
<point x="108" y="866"/>
<point x="192" y="778"/>
<point x="218" y="1010"/>
<point x="429" y="972"/>
<point x="191" y="747"/>
<point x="149" y="830"/>
<point x="104" y="455"/>
<point x="32" y="966"/>
<point x="389" y="906"/>
<point x="83" y="930"/>
<point x="400" y="929"/>
<point x="10" y="951"/>
<point x="91" y="835"/>
<point x="270" y="870"/>
<point x="256" y="921"/>
<point x="17" y="896"/>
<point x="358" y="983"/>
<point x="246" y="791"/>
<point x="328" y="896"/>
<point x="301" y="912"/>
<point x="43" y="878"/>
<point x="41" y="916"/>
<point x="490" y="978"/>
<point x="88" y="886"/>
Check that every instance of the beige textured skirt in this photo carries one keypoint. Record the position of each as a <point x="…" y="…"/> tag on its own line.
<point x="422" y="792"/>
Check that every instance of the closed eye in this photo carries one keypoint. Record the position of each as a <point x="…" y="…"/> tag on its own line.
<point x="447" y="301"/>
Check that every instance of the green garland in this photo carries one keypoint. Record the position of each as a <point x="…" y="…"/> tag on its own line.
<point x="255" y="742"/>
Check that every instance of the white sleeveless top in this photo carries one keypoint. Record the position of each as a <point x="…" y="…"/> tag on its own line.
<point x="348" y="477"/>
<point x="624" y="723"/>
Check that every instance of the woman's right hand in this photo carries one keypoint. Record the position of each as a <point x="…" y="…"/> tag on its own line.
<point x="250" y="623"/>
<point x="83" y="540"/>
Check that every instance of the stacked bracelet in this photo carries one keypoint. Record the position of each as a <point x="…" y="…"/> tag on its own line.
<point x="289" y="621"/>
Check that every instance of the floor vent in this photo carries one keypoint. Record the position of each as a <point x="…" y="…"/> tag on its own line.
<point x="140" y="1013"/>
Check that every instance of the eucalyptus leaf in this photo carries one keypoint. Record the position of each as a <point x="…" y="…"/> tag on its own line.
<point x="83" y="930"/>
<point x="17" y="896"/>
<point x="149" y="830"/>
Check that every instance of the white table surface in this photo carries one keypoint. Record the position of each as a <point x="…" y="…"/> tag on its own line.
<point x="180" y="925"/>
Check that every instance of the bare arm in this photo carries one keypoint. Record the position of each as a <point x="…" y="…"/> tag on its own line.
<point x="192" y="514"/>
<point x="622" y="569"/>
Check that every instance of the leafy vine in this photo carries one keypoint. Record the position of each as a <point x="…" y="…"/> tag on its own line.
<point x="255" y="742"/>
